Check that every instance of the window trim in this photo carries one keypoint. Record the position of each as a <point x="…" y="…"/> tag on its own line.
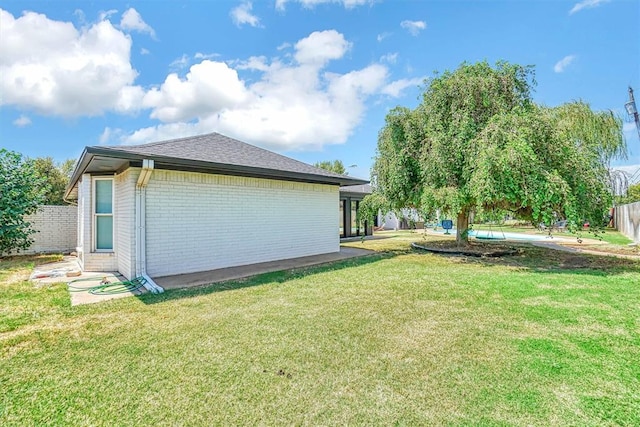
<point x="95" y="215"/>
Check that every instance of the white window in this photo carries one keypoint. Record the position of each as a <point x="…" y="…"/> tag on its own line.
<point x="103" y="214"/>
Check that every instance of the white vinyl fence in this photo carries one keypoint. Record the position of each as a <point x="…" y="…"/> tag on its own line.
<point x="627" y="220"/>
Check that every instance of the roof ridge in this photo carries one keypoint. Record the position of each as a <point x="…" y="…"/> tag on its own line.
<point x="165" y="141"/>
<point x="320" y="171"/>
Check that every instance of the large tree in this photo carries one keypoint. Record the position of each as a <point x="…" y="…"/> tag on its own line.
<point x="336" y="166"/>
<point x="22" y="192"/>
<point x="633" y="195"/>
<point x="478" y="141"/>
<point x="56" y="177"/>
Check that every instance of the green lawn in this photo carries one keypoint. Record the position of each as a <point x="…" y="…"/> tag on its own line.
<point x="397" y="338"/>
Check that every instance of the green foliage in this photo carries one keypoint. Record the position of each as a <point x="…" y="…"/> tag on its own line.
<point x="56" y="178"/>
<point x="633" y="195"/>
<point x="22" y="191"/>
<point x="336" y="166"/>
<point x="396" y="171"/>
<point x="478" y="142"/>
<point x="370" y="205"/>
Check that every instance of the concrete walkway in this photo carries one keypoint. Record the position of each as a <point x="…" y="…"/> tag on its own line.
<point x="58" y="272"/>
<point x="68" y="270"/>
<point x="233" y="273"/>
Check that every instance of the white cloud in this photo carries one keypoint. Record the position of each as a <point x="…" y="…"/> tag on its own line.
<point x="293" y="105"/>
<point x="284" y="46"/>
<point x="207" y="88"/>
<point x="414" y="27"/>
<point x="144" y="51"/>
<point x="564" y="63"/>
<point x="586" y="4"/>
<point x="185" y="60"/>
<point x="132" y="21"/>
<point x="106" y="14"/>
<point x="110" y="135"/>
<point x="200" y="55"/>
<point x="383" y="36"/>
<point x="55" y="69"/>
<point x="255" y="63"/>
<point x="79" y="13"/>
<point x="129" y="99"/>
<point x="294" y="102"/>
<point x="390" y="58"/>
<point x="22" y="121"/>
<point x="395" y="88"/>
<point x="320" y="47"/>
<point x="180" y="63"/>
<point x="348" y="4"/>
<point x="241" y="14"/>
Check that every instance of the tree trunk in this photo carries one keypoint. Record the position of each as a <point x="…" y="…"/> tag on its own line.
<point x="462" y="228"/>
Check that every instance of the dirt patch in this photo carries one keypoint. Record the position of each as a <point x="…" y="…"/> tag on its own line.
<point x="631" y="250"/>
<point x="475" y="249"/>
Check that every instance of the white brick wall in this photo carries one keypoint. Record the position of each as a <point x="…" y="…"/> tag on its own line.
<point x="56" y="229"/>
<point x="84" y="220"/>
<point x="198" y="222"/>
<point x="124" y="219"/>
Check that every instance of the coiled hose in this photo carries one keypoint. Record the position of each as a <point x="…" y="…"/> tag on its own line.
<point x="106" y="288"/>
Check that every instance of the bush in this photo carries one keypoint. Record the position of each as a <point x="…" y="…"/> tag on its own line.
<point x="22" y="191"/>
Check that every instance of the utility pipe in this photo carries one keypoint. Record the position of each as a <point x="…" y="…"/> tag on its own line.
<point x="140" y="223"/>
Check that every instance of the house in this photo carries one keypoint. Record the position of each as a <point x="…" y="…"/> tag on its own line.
<point x="197" y="204"/>
<point x="350" y="198"/>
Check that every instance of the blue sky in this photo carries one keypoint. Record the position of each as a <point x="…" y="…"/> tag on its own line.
<point x="311" y="79"/>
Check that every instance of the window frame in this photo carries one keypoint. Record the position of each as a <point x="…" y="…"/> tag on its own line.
<point x="95" y="215"/>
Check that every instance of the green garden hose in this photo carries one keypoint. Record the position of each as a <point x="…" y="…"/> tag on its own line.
<point x="106" y="288"/>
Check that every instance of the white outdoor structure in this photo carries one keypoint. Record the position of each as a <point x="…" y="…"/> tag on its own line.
<point x="627" y="220"/>
<point x="390" y="221"/>
<point x="198" y="204"/>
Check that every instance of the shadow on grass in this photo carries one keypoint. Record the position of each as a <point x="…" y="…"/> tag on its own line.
<point x="261" y="279"/>
<point x="547" y="260"/>
<point x="527" y="258"/>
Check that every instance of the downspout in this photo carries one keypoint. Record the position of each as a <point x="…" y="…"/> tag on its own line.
<point x="141" y="234"/>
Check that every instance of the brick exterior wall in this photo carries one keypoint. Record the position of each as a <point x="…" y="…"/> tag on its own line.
<point x="56" y="229"/>
<point x="197" y="222"/>
<point x="627" y="220"/>
<point x="124" y="188"/>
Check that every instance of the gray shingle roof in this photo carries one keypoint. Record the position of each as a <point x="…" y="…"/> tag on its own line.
<point x="210" y="153"/>
<point x="362" y="188"/>
<point x="217" y="148"/>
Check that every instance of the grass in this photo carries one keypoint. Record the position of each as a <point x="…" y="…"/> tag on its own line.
<point x="396" y="338"/>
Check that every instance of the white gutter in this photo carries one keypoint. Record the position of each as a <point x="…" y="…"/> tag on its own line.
<point x="141" y="234"/>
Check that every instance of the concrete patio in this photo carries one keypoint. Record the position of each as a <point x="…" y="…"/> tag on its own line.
<point x="68" y="270"/>
<point x="240" y="272"/>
